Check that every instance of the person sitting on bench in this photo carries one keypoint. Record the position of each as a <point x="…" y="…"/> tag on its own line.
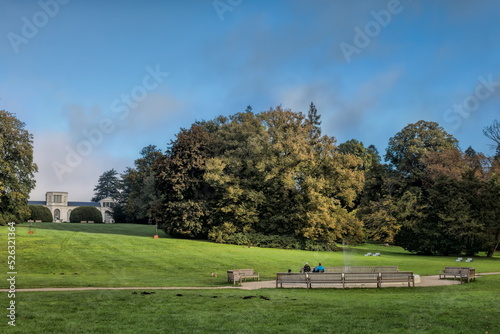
<point x="319" y="269"/>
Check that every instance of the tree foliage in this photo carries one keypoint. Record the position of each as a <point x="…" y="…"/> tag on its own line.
<point x="269" y="173"/>
<point x="272" y="179"/>
<point x="107" y="186"/>
<point x="40" y="212"/>
<point x="85" y="213"/>
<point x="137" y="190"/>
<point x="17" y="169"/>
<point x="450" y="216"/>
<point x="407" y="147"/>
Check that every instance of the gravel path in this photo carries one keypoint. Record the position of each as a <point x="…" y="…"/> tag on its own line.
<point x="255" y="285"/>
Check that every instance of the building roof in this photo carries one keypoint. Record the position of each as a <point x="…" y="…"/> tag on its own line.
<point x="96" y="204"/>
<point x="84" y="204"/>
<point x="37" y="202"/>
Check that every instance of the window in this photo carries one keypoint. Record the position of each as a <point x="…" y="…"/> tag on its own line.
<point x="57" y="198"/>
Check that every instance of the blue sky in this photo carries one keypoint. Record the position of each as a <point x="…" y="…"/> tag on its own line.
<point x="96" y="81"/>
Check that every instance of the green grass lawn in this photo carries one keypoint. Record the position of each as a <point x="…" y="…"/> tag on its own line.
<point x="80" y="255"/>
<point x="120" y="255"/>
<point x="466" y="308"/>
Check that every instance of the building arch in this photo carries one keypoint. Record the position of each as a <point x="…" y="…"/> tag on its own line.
<point x="108" y="217"/>
<point x="57" y="215"/>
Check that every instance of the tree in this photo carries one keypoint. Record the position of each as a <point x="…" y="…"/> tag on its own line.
<point x="493" y="132"/>
<point x="85" y="213"/>
<point x="456" y="209"/>
<point x="258" y="174"/>
<point x="184" y="209"/>
<point x="138" y="194"/>
<point x="407" y="147"/>
<point x="107" y="186"/>
<point x="17" y="169"/>
<point x="313" y="123"/>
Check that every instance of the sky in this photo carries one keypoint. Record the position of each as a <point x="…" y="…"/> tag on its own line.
<point x="97" y="81"/>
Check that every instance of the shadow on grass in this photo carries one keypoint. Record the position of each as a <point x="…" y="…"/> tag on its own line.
<point x="137" y="230"/>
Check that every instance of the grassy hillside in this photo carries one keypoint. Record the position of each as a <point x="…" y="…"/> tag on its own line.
<point x="74" y="255"/>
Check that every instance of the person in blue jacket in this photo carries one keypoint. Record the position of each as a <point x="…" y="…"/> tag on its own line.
<point x="319" y="269"/>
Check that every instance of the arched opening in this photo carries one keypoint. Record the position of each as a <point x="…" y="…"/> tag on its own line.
<point x="57" y="215"/>
<point x="108" y="218"/>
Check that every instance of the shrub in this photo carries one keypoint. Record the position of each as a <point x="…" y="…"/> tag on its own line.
<point x="85" y="213"/>
<point x="40" y="212"/>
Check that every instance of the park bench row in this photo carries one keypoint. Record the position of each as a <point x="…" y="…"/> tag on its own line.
<point x="346" y="278"/>
<point x="241" y="275"/>
<point x="464" y="274"/>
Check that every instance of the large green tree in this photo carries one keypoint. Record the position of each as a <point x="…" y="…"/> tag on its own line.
<point x="184" y="208"/>
<point x="454" y="211"/>
<point x="407" y="148"/>
<point x="108" y="185"/>
<point x="268" y="173"/>
<point x="17" y="169"/>
<point x="138" y="194"/>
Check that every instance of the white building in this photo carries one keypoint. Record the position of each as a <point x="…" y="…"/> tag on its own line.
<point x="57" y="202"/>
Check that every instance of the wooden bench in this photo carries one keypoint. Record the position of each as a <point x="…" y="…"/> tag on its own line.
<point x="468" y="274"/>
<point x="346" y="278"/>
<point x="248" y="273"/>
<point x="462" y="273"/>
<point x="233" y="276"/>
<point x="360" y="277"/>
<point x="291" y="278"/>
<point x="450" y="271"/>
<point x="397" y="276"/>
<point x="240" y="275"/>
<point x="325" y="278"/>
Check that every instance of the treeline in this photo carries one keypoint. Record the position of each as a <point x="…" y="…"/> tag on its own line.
<point x="273" y="179"/>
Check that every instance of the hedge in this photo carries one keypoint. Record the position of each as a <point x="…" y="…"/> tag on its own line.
<point x="40" y="212"/>
<point x="85" y="213"/>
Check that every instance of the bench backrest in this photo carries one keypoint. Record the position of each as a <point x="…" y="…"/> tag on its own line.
<point x="361" y="276"/>
<point x="247" y="272"/>
<point x="468" y="271"/>
<point x="359" y="269"/>
<point x="291" y="277"/>
<point x="335" y="269"/>
<point x="386" y="268"/>
<point x="325" y="277"/>
<point x="396" y="275"/>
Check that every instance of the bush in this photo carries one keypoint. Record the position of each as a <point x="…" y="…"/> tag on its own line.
<point x="85" y="213"/>
<point x="40" y="212"/>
